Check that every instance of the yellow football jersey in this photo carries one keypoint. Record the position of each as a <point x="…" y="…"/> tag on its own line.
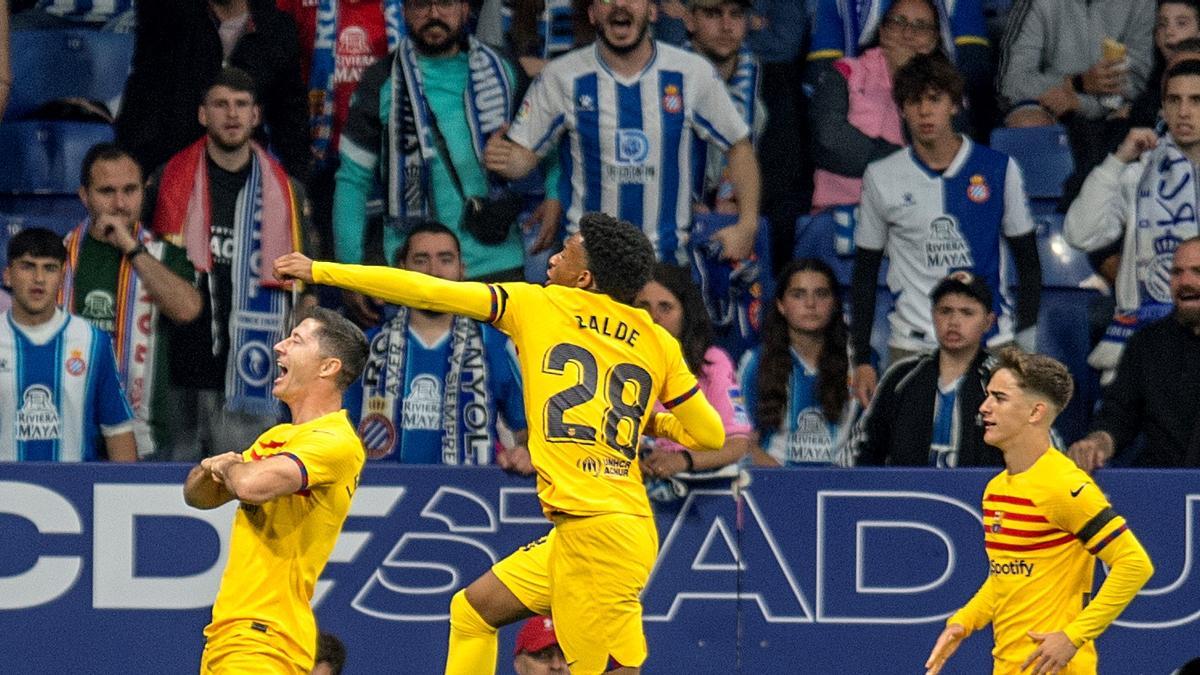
<point x="598" y="365"/>
<point x="1041" y="529"/>
<point x="279" y="548"/>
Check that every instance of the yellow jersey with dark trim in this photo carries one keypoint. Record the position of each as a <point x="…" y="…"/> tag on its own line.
<point x="279" y="548"/>
<point x="592" y="369"/>
<point x="1042" y="528"/>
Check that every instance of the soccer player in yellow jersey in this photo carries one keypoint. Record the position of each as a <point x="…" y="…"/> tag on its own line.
<point x="1043" y="521"/>
<point x="592" y="365"/>
<point x="295" y="485"/>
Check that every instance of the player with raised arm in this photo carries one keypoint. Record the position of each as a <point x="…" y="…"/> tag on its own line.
<point x="295" y="485"/>
<point x="1044" y="522"/>
<point x="593" y="364"/>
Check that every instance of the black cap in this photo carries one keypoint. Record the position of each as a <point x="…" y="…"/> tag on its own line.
<point x="963" y="283"/>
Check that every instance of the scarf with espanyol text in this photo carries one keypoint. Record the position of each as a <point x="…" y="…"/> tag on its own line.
<point x="266" y="226"/>
<point x="323" y="74"/>
<point x="489" y="104"/>
<point x="1165" y="214"/>
<point x="385" y="395"/>
<point x="134" y="333"/>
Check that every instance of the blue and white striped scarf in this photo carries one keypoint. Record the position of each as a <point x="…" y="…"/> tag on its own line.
<point x="489" y="104"/>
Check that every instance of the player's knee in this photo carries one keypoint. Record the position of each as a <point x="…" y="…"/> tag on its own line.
<point x="465" y="618"/>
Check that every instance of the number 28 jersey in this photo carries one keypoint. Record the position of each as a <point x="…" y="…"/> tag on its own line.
<point x="594" y="366"/>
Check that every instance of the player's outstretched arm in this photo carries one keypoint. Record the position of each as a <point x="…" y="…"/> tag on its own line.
<point x="400" y="287"/>
<point x="947" y="643"/>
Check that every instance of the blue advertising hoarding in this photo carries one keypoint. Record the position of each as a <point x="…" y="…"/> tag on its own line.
<point x="104" y="569"/>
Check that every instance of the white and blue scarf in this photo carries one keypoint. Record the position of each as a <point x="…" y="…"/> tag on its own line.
<point x="489" y="104"/>
<point x="324" y="66"/>
<point x="467" y="357"/>
<point x="258" y="314"/>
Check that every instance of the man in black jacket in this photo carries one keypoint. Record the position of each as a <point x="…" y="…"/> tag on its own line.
<point x="924" y="411"/>
<point x="1157" y="385"/>
<point x="181" y="46"/>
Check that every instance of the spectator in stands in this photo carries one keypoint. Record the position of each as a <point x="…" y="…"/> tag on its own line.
<point x="122" y="280"/>
<point x="924" y="412"/>
<point x="674" y="302"/>
<point x="1080" y="63"/>
<point x="401" y="406"/>
<point x="1178" y="21"/>
<point x="855" y="119"/>
<point x="181" y="47"/>
<point x="233" y="208"/>
<point x="537" y="651"/>
<point x="338" y="42"/>
<point x="431" y="120"/>
<point x="942" y="205"/>
<point x="718" y="29"/>
<point x="65" y="14"/>
<point x="536" y="32"/>
<point x="795" y="383"/>
<point x="1157" y="384"/>
<point x="1140" y="203"/>
<point x="849" y="30"/>
<point x="331" y="655"/>
<point x="60" y="398"/>
<point x="644" y="174"/>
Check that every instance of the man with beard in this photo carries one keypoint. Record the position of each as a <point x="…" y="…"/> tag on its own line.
<point x="418" y="124"/>
<point x="180" y="48"/>
<point x="231" y="206"/>
<point x="1157" y="384"/>
<point x="122" y="280"/>
<point x="631" y="108"/>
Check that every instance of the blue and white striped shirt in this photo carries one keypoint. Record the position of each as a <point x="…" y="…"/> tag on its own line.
<point x="629" y="151"/>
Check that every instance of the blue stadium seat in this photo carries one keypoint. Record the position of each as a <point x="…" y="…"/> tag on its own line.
<point x="54" y="64"/>
<point x="45" y="157"/>
<point x="1063" y="321"/>
<point x="1044" y="155"/>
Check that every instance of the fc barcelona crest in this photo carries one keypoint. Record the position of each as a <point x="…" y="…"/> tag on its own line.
<point x="996" y="522"/>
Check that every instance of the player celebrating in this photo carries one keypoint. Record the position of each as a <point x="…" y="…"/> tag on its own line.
<point x="295" y="485"/>
<point x="1044" y="519"/>
<point x="592" y="364"/>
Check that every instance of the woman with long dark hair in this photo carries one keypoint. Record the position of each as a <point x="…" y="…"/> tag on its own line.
<point x="675" y="303"/>
<point x="796" y="382"/>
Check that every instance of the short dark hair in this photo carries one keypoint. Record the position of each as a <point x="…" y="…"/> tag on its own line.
<point x="104" y="152"/>
<point x="37" y="242"/>
<point x="1037" y="373"/>
<point x="424" y="227"/>
<point x="236" y="79"/>
<point x="1188" y="65"/>
<point x="926" y="72"/>
<point x="620" y="257"/>
<point x="331" y="650"/>
<point x="342" y="340"/>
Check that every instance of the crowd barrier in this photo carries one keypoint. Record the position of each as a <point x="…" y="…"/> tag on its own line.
<point x="104" y="569"/>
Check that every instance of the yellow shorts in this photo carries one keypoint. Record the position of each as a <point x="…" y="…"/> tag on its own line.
<point x="588" y="573"/>
<point x="240" y="649"/>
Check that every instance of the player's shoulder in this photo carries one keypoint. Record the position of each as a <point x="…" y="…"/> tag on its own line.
<point x="575" y="62"/>
<point x="1056" y="477"/>
<point x="891" y="167"/>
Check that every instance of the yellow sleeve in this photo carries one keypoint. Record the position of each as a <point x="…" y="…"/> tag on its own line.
<point x="324" y="457"/>
<point x="1129" y="569"/>
<point x="978" y="612"/>
<point x="694" y="424"/>
<point x="483" y="302"/>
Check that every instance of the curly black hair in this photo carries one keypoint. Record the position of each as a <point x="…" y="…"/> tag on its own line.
<point x="696" y="334"/>
<point x="619" y="255"/>
<point x="775" y="362"/>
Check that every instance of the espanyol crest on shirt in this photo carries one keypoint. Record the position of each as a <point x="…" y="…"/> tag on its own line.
<point x="977" y="190"/>
<point x="672" y="101"/>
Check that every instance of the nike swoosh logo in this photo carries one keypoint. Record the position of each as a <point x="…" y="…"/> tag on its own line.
<point x="1076" y="491"/>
